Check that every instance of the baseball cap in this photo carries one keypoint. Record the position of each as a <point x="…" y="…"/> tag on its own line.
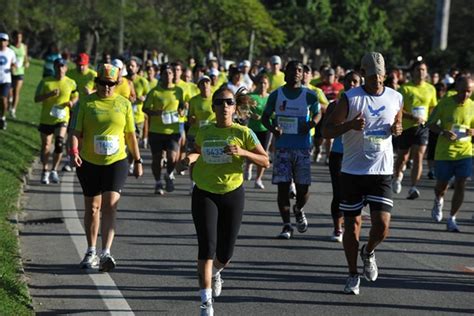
<point x="275" y="60"/>
<point x="373" y="64"/>
<point x="119" y="64"/>
<point x="60" y="61"/>
<point x="245" y="63"/>
<point x="202" y="79"/>
<point x="213" y="72"/>
<point x="108" y="72"/>
<point x="82" y="59"/>
<point x="4" y="36"/>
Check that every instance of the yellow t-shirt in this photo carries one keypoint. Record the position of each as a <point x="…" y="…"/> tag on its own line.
<point x="201" y="109"/>
<point x="193" y="88"/>
<point x="83" y="80"/>
<point x="276" y="80"/>
<point x="141" y="89"/>
<point x="417" y="100"/>
<point x="215" y="171"/>
<point x="123" y="89"/>
<point x="321" y="96"/>
<point x="153" y="83"/>
<point x="102" y="123"/>
<point x="167" y="100"/>
<point x="186" y="89"/>
<point x="450" y="115"/>
<point x="53" y="110"/>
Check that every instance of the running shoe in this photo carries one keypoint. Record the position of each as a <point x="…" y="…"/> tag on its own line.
<point x="45" y="177"/>
<point x="286" y="233"/>
<point x="54" y="177"/>
<point x="259" y="185"/>
<point x="437" y="211"/>
<point x="292" y="191"/>
<point x="431" y="175"/>
<point x="397" y="186"/>
<point x="107" y="263"/>
<point x="337" y="236"/>
<point x="169" y="183"/>
<point x="159" y="189"/>
<point x="352" y="285"/>
<point x="413" y="194"/>
<point x="91" y="260"/>
<point x="370" y="266"/>
<point x="248" y="173"/>
<point x="13" y="113"/>
<point x="207" y="309"/>
<point x="3" y="123"/>
<point x="67" y="168"/>
<point x="301" y="222"/>
<point x="452" y="226"/>
<point x="217" y="285"/>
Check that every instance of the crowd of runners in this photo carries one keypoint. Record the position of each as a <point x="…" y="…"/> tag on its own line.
<point x="216" y="124"/>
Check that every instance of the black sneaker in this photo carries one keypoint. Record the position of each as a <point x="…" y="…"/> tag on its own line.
<point x="107" y="263"/>
<point x="286" y="233"/>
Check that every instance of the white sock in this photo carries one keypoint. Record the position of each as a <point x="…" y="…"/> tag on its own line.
<point x="206" y="295"/>
<point x="105" y="252"/>
<point x="91" y="249"/>
<point x="216" y="271"/>
<point x="453" y="218"/>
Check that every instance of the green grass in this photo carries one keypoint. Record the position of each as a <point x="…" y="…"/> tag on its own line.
<point x="19" y="145"/>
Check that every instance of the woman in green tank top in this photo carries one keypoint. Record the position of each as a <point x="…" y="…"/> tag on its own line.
<point x="22" y="62"/>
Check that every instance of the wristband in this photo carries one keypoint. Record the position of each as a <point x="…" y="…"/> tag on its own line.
<point x="73" y="151"/>
<point x="140" y="161"/>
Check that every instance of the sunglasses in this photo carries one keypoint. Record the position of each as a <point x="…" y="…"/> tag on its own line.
<point x="221" y="102"/>
<point x="106" y="83"/>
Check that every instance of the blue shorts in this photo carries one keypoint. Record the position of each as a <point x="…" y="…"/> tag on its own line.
<point x="292" y="164"/>
<point x="4" y="89"/>
<point x="446" y="169"/>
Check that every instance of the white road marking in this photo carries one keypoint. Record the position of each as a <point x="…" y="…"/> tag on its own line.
<point x="106" y="286"/>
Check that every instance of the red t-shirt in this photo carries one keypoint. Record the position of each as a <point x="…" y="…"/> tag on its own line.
<point x="331" y="91"/>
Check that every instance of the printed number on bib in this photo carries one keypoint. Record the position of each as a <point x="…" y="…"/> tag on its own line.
<point x="58" y="112"/>
<point x="461" y="132"/>
<point x="213" y="152"/>
<point x="419" y="112"/>
<point x="106" y="145"/>
<point x="169" y="117"/>
<point x="289" y="125"/>
<point x="375" y="141"/>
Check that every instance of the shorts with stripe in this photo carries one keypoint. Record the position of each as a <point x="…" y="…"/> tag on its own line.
<point x="360" y="190"/>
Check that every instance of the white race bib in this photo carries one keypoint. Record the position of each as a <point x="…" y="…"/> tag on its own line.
<point x="419" y="112"/>
<point x="288" y="124"/>
<point x="375" y="141"/>
<point x="213" y="152"/>
<point x="461" y="132"/>
<point x="169" y="117"/>
<point x="106" y="145"/>
<point x="58" y="112"/>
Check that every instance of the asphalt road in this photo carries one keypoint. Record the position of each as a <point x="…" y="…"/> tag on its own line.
<point x="423" y="269"/>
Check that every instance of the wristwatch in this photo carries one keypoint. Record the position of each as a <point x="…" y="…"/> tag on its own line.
<point x="140" y="161"/>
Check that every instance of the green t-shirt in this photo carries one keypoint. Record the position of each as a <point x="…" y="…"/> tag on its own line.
<point x="450" y="115"/>
<point x="102" y="123"/>
<point x="417" y="100"/>
<point x="215" y="171"/>
<point x="20" y="53"/>
<point x="141" y="89"/>
<point x="53" y="109"/>
<point x="256" y="125"/>
<point x="83" y="80"/>
<point x="168" y="100"/>
<point x="201" y="109"/>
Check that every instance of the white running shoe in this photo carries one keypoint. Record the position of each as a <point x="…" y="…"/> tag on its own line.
<point x="107" y="263"/>
<point x="91" y="260"/>
<point x="352" y="285"/>
<point x="397" y="186"/>
<point x="286" y="233"/>
<point x="207" y="309"/>
<point x="259" y="185"/>
<point x="45" y="177"/>
<point x="217" y="285"/>
<point x="370" y="265"/>
<point x="437" y="210"/>
<point x="54" y="177"/>
<point x="337" y="235"/>
<point x="301" y="221"/>
<point x="413" y="194"/>
<point x="452" y="226"/>
<point x="248" y="173"/>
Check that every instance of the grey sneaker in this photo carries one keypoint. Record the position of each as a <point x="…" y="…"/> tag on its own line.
<point x="352" y="285"/>
<point x="301" y="222"/>
<point x="107" y="263"/>
<point x="54" y="177"/>
<point x="370" y="265"/>
<point x="452" y="226"/>
<point x="45" y="177"/>
<point x="217" y="285"/>
<point x="91" y="260"/>
<point x="437" y="210"/>
<point x="397" y="186"/>
<point x="207" y="309"/>
<point x="169" y="183"/>
<point x="413" y="194"/>
<point x="286" y="233"/>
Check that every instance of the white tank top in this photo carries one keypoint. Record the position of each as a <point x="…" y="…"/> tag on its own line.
<point x="370" y="152"/>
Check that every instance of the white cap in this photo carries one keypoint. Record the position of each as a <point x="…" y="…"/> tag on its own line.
<point x="119" y="64"/>
<point x="275" y="60"/>
<point x="213" y="72"/>
<point x="245" y="63"/>
<point x="4" y="36"/>
<point x="202" y="79"/>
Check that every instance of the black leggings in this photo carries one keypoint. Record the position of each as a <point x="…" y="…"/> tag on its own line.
<point x="335" y="161"/>
<point x="217" y="218"/>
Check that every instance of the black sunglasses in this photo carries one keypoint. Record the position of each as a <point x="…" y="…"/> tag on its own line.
<point x="106" y="83"/>
<point x="221" y="102"/>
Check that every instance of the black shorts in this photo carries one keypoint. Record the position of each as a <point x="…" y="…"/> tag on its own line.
<point x="360" y="190"/>
<point x="50" y="129"/>
<point x="263" y="137"/>
<point x="417" y="135"/>
<point x="96" y="179"/>
<point x="17" y="78"/>
<point x="5" y="89"/>
<point x="160" y="142"/>
<point x="433" y="139"/>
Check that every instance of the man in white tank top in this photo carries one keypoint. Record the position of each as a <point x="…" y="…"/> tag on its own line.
<point x="367" y="117"/>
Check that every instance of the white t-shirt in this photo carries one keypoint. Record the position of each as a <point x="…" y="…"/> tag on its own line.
<point x="7" y="58"/>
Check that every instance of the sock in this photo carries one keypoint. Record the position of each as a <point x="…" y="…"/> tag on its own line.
<point x="105" y="251"/>
<point x="91" y="249"/>
<point x="216" y="271"/>
<point x="453" y="217"/>
<point x="206" y="295"/>
<point x="368" y="253"/>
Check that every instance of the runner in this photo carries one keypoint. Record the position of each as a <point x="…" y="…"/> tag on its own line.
<point x="102" y="128"/>
<point x="419" y="97"/>
<point x="58" y="95"/>
<point x="218" y="197"/>
<point x="276" y="76"/>
<point x="83" y="75"/>
<point x="453" y="120"/>
<point x="18" y="73"/>
<point x="366" y="116"/>
<point x="162" y="105"/>
<point x="296" y="110"/>
<point x="7" y="64"/>
<point x="235" y="79"/>
<point x="124" y="87"/>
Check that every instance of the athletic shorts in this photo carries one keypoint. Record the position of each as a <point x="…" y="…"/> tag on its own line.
<point x="432" y="140"/>
<point x="96" y="179"/>
<point x="446" y="169"/>
<point x="50" y="129"/>
<point x="160" y="142"/>
<point x="417" y="135"/>
<point x="17" y="78"/>
<point x="263" y="137"/>
<point x="360" y="190"/>
<point x="190" y="141"/>
<point x="4" y="89"/>
<point x="292" y="164"/>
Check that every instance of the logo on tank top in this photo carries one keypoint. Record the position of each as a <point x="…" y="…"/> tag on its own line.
<point x="376" y="112"/>
<point x="283" y="106"/>
<point x="3" y="60"/>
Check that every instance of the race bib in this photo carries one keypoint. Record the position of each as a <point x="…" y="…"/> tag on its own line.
<point x="288" y="124"/>
<point x="203" y="123"/>
<point x="169" y="117"/>
<point x="375" y="141"/>
<point x="135" y="108"/>
<point x="461" y="132"/>
<point x="419" y="112"/>
<point x="106" y="145"/>
<point x="58" y="112"/>
<point x="213" y="152"/>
